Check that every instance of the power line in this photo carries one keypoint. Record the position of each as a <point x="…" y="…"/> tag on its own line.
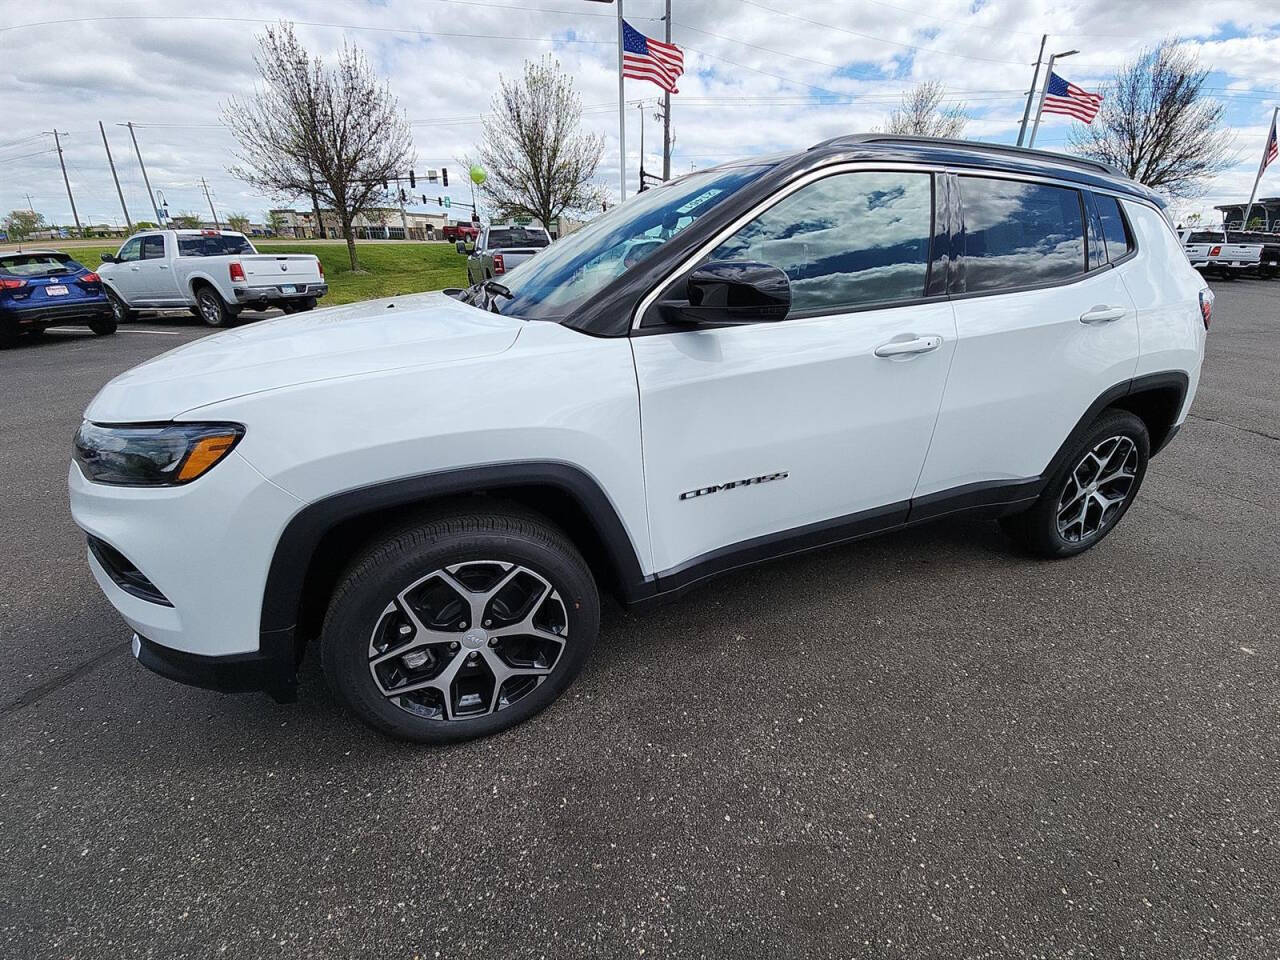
<point x="26" y="155"/>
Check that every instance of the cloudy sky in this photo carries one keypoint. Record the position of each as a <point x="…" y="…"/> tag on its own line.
<point x="762" y="76"/>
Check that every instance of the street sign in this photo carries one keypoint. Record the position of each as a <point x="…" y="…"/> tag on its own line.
<point x="524" y="221"/>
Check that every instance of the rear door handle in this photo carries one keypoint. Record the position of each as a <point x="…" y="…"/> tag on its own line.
<point x="1102" y="314"/>
<point x="901" y="348"/>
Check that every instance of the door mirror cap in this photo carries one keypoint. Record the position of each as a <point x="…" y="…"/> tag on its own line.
<point x="109" y="258"/>
<point x="731" y="292"/>
<point x="460" y="246"/>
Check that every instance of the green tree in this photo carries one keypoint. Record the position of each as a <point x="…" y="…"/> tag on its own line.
<point x="185" y="221"/>
<point x="22" y="224"/>
<point x="275" y="221"/>
<point x="238" y="222"/>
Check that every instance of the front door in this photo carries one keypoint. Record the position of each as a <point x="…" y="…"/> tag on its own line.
<point x="815" y="423"/>
<point x="156" y="283"/>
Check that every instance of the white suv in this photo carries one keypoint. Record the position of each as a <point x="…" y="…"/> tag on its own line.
<point x="753" y="360"/>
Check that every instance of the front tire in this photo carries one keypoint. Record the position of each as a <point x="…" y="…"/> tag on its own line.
<point x="1085" y="499"/>
<point x="213" y="310"/>
<point x="460" y="626"/>
<point x="119" y="309"/>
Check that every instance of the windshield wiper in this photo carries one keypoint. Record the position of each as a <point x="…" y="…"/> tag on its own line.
<point x="498" y="289"/>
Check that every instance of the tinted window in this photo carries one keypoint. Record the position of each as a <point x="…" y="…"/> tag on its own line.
<point x="1097" y="249"/>
<point x="153" y="248"/>
<point x="37" y="264"/>
<point x="1020" y="233"/>
<point x="845" y="241"/>
<point x="218" y="246"/>
<point x="1116" y="231"/>
<point x="504" y="238"/>
<point x="132" y="250"/>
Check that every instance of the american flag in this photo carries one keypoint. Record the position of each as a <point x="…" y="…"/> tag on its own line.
<point x="1270" y="151"/>
<point x="1065" y="97"/>
<point x="652" y="60"/>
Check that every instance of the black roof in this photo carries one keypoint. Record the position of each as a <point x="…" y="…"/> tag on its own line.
<point x="987" y="156"/>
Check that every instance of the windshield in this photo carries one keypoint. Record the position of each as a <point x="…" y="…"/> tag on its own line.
<point x="506" y="238"/>
<point x="552" y="284"/>
<point x="38" y="264"/>
<point x="219" y="245"/>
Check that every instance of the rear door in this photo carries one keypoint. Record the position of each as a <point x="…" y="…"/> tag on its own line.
<point x="1044" y="329"/>
<point x="812" y="425"/>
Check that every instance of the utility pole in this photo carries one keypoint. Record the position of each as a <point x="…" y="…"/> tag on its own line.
<point x="216" y="224"/>
<point x="65" y="179"/>
<point x="666" y="113"/>
<point x="622" y="118"/>
<point x="1031" y="91"/>
<point x="112" y="164"/>
<point x="30" y="205"/>
<point x="159" y="219"/>
<point x="640" y="108"/>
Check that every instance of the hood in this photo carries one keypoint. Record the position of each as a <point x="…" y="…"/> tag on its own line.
<point x="347" y="341"/>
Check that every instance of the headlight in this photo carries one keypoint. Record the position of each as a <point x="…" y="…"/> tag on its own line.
<point x="152" y="455"/>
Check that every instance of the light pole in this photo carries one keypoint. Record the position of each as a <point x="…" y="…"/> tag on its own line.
<point x="1048" y="75"/>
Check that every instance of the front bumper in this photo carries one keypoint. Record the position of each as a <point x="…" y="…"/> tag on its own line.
<point x="57" y="315"/>
<point x="205" y="547"/>
<point x="277" y="294"/>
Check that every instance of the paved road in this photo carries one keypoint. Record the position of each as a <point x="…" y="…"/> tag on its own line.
<point x="919" y="746"/>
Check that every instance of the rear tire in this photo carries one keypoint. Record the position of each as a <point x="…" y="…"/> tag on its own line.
<point x="104" y="326"/>
<point x="404" y="615"/>
<point x="1085" y="499"/>
<point x="213" y="310"/>
<point x="302" y="306"/>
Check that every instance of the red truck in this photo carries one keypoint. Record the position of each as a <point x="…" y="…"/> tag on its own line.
<point x="454" y="232"/>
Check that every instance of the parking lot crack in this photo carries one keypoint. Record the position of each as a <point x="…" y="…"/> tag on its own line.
<point x="38" y="693"/>
<point x="1235" y="426"/>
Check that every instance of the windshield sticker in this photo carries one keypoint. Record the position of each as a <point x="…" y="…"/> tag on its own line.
<point x="699" y="200"/>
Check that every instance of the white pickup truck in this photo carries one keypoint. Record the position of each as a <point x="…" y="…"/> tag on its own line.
<point x="1210" y="252"/>
<point x="213" y="273"/>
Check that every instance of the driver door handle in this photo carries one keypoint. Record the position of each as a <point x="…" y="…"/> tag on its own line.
<point x="1102" y="314"/>
<point x="900" y="348"/>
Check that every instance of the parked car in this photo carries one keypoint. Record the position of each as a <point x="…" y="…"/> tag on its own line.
<point x="1211" y="252"/>
<point x="869" y="334"/>
<point x="1269" y="264"/>
<point x="502" y="248"/>
<point x="45" y="288"/>
<point x="214" y="273"/>
<point x="453" y="232"/>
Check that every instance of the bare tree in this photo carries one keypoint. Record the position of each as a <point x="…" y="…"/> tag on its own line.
<point x="540" y="163"/>
<point x="1157" y="125"/>
<point x="336" y="135"/>
<point x="922" y="114"/>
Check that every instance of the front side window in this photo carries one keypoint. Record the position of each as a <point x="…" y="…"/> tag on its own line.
<point x="1114" y="229"/>
<point x="1019" y="234"/>
<point x="132" y="250"/>
<point x="153" y="248"/>
<point x="845" y="242"/>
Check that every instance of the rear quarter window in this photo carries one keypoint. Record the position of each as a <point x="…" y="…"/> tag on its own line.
<point x="1115" y="229"/>
<point x="1020" y="234"/>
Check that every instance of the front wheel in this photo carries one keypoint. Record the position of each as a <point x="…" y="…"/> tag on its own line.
<point x="119" y="309"/>
<point x="460" y="626"/>
<point x="213" y="309"/>
<point x="1094" y="488"/>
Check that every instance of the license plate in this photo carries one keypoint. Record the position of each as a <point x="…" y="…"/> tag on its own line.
<point x="55" y="290"/>
<point x="288" y="289"/>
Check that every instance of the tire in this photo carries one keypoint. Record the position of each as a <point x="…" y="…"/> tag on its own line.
<point x="1117" y="445"/>
<point x="543" y="601"/>
<point x="302" y="306"/>
<point x="119" y="309"/>
<point x="104" y="326"/>
<point x="213" y="310"/>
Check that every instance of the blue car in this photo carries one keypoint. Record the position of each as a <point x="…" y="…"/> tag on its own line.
<point x="44" y="288"/>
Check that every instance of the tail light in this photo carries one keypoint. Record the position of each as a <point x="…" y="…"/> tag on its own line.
<point x="237" y="271"/>
<point x="6" y="284"/>
<point x="1206" y="307"/>
<point x="321" y="266"/>
<point x="90" y="278"/>
<point x="1215" y="251"/>
<point x="498" y="265"/>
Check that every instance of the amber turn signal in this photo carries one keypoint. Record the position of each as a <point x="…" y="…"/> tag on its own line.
<point x="206" y="452"/>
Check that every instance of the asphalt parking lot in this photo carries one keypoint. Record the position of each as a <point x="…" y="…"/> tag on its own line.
<point x="923" y="745"/>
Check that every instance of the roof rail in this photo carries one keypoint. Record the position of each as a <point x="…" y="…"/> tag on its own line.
<point x="856" y="139"/>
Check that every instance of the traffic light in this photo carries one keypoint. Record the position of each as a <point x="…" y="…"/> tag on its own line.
<point x="385" y="185"/>
<point x="424" y="199"/>
<point x="413" y="181"/>
<point x="440" y="200"/>
<point x="444" y="176"/>
<point x="402" y="196"/>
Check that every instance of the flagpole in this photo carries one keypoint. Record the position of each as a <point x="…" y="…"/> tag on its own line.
<point x="1031" y="91"/>
<point x="1044" y="90"/>
<point x="622" y="118"/>
<point x="1244" y="225"/>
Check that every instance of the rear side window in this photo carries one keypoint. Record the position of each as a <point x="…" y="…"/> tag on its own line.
<point x="153" y="248"/>
<point x="218" y="246"/>
<point x="1018" y="234"/>
<point x="1114" y="228"/>
<point x="846" y="241"/>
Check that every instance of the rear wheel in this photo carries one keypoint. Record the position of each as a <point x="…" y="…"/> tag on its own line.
<point x="305" y="304"/>
<point x="103" y="326"/>
<point x="213" y="310"/>
<point x="1086" y="498"/>
<point x="461" y="626"/>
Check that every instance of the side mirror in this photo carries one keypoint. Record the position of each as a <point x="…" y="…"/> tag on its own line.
<point x="109" y="258"/>
<point x="731" y="292"/>
<point x="460" y="246"/>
